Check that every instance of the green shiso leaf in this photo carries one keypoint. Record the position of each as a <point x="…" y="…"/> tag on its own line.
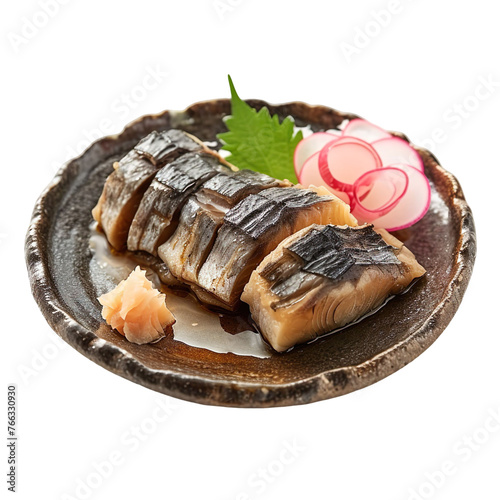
<point x="258" y="141"/>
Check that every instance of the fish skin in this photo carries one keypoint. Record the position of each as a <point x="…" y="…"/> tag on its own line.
<point x="203" y="215"/>
<point x="158" y="212"/>
<point x="254" y="227"/>
<point x="258" y="213"/>
<point x="186" y="250"/>
<point x="125" y="186"/>
<point x="333" y="250"/>
<point x="161" y="147"/>
<point x="121" y="196"/>
<point x="236" y="186"/>
<point x="325" y="277"/>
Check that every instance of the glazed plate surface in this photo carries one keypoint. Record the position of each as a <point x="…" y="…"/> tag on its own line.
<point x="58" y="258"/>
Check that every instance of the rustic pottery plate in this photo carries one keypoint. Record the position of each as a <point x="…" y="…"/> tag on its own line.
<point x="58" y="259"/>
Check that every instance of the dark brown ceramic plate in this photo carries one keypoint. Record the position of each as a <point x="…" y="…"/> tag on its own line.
<point x="58" y="257"/>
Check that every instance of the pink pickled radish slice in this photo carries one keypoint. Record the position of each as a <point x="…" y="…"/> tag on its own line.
<point x="334" y="131"/>
<point x="412" y="206"/>
<point x="310" y="175"/>
<point x="377" y="192"/>
<point x="365" y="130"/>
<point x="395" y="150"/>
<point x="308" y="146"/>
<point x="342" y="161"/>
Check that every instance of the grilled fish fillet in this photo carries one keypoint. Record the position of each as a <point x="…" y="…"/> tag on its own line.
<point x="125" y="186"/>
<point x="202" y="216"/>
<point x="325" y="277"/>
<point x="253" y="228"/>
<point x="158" y="212"/>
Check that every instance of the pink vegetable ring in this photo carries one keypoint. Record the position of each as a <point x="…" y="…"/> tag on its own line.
<point x="365" y="130"/>
<point x="310" y="175"/>
<point x="379" y="175"/>
<point x="396" y="150"/>
<point x="343" y="160"/>
<point x="308" y="146"/>
<point x="412" y="206"/>
<point x="377" y="192"/>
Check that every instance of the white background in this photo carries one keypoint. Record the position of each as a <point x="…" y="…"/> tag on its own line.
<point x="63" y="84"/>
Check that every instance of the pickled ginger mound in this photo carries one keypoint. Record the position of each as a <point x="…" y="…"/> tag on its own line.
<point x="136" y="309"/>
<point x="325" y="277"/>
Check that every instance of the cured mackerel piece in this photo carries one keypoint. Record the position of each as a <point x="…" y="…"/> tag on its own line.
<point x="325" y="277"/>
<point x="253" y="228"/>
<point x="158" y="212"/>
<point x="145" y="259"/>
<point x="125" y="186"/>
<point x="202" y="216"/>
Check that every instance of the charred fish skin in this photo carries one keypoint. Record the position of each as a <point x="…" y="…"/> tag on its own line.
<point x="325" y="277"/>
<point x="233" y="188"/>
<point x="186" y="250"/>
<point x="161" y="147"/>
<point x="203" y="215"/>
<point x="333" y="251"/>
<point x="254" y="227"/>
<point x="125" y="186"/>
<point x="158" y="212"/>
<point x="121" y="195"/>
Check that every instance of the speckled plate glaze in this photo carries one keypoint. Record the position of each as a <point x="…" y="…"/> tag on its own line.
<point x="58" y="257"/>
